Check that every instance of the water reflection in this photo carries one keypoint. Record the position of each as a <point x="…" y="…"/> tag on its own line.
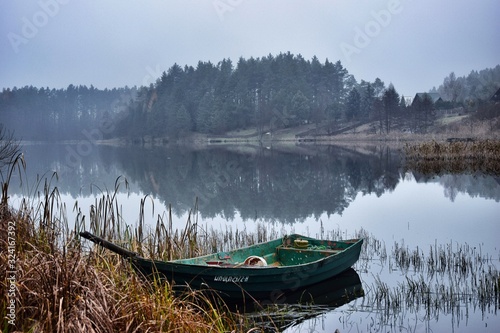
<point x="350" y="189"/>
<point x="288" y="185"/>
<point x="286" y="311"/>
<point x="473" y="184"/>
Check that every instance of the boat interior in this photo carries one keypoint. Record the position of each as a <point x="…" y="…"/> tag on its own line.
<point x="272" y="254"/>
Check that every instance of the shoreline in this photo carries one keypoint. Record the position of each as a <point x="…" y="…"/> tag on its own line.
<point x="306" y="135"/>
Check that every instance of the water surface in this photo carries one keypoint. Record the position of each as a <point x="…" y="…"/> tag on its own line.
<point x="314" y="190"/>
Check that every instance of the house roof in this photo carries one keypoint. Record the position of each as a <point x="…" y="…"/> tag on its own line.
<point x="434" y="96"/>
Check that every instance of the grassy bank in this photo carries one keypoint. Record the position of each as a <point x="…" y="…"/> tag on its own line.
<point x="54" y="284"/>
<point x="473" y="125"/>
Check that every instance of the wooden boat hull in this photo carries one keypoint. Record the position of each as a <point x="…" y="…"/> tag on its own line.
<point x="289" y="268"/>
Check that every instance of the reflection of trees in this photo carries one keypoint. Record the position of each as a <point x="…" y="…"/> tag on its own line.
<point x="475" y="185"/>
<point x="77" y="174"/>
<point x="268" y="184"/>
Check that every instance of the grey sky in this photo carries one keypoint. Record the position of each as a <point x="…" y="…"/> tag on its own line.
<point x="413" y="44"/>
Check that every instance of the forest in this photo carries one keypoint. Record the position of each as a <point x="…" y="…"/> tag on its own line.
<point x="44" y="114"/>
<point x="265" y="93"/>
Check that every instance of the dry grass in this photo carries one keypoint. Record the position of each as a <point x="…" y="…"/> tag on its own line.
<point x="455" y="157"/>
<point x="65" y="292"/>
<point x="61" y="287"/>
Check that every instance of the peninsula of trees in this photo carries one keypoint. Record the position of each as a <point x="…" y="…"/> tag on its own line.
<point x="266" y="94"/>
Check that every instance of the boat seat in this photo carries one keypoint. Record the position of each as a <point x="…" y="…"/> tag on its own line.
<point x="294" y="256"/>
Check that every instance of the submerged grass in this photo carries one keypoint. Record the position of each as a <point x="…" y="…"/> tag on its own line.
<point x="449" y="280"/>
<point x="59" y="286"/>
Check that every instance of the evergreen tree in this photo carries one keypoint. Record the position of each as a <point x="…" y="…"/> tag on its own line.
<point x="423" y="113"/>
<point x="353" y="104"/>
<point x="300" y="108"/>
<point x="182" y="121"/>
<point x="402" y="103"/>
<point x="391" y="106"/>
<point x="367" y="100"/>
<point x="204" y="117"/>
<point x="378" y="88"/>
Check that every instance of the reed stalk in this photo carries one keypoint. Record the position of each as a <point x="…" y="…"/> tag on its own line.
<point x="462" y="156"/>
<point x="62" y="287"/>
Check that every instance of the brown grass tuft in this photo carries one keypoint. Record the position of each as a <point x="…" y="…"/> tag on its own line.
<point x="60" y="287"/>
<point x="457" y="156"/>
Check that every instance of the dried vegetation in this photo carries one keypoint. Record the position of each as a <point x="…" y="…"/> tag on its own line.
<point x="60" y="286"/>
<point x="454" y="156"/>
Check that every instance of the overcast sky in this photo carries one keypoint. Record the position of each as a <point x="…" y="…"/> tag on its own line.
<point x="113" y="43"/>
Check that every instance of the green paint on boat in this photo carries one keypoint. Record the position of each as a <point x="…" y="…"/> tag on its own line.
<point x="275" y="267"/>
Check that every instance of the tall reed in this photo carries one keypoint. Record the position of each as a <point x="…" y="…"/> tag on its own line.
<point x="60" y="286"/>
<point x="454" y="157"/>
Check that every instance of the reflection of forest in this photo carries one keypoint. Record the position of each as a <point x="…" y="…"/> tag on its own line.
<point x="474" y="184"/>
<point x="268" y="184"/>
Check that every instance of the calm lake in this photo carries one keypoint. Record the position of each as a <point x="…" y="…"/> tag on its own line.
<point x="410" y="220"/>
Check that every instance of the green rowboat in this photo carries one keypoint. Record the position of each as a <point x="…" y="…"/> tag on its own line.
<point x="260" y="271"/>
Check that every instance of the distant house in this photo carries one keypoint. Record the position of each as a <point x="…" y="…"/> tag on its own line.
<point x="441" y="107"/>
<point x="435" y="97"/>
<point x="496" y="96"/>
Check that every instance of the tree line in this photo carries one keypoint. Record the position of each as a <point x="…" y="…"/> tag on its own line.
<point x="270" y="93"/>
<point x="265" y="93"/>
<point x="62" y="114"/>
<point x="472" y="89"/>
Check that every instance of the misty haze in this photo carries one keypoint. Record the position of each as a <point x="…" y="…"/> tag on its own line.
<point x="144" y="142"/>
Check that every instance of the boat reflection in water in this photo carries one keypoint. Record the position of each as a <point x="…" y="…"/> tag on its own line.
<point x="285" y="310"/>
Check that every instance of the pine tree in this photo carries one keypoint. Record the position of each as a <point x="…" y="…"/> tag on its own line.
<point x="391" y="106"/>
<point x="367" y="100"/>
<point x="300" y="108"/>
<point x="353" y="104"/>
<point x="402" y="103"/>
